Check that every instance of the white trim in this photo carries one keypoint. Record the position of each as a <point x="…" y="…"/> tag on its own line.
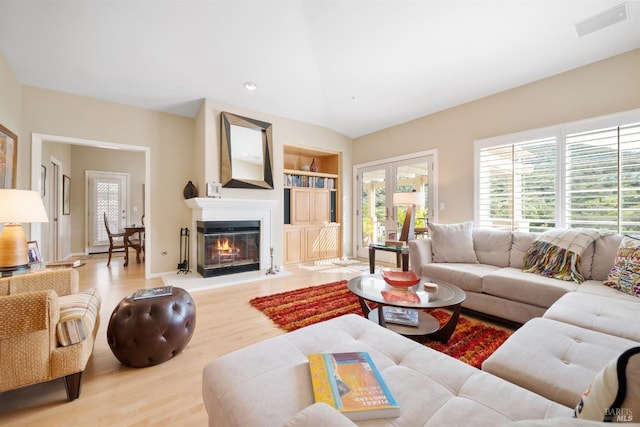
<point x="36" y="160"/>
<point x="215" y="209"/>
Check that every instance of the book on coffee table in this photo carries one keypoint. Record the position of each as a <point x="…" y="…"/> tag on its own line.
<point x="401" y="316"/>
<point x="161" y="291"/>
<point x="351" y="383"/>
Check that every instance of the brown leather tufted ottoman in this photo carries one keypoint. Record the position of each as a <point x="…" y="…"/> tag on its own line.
<point x="150" y="331"/>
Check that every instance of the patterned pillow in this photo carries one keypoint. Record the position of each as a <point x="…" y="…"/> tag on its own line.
<point x="625" y="274"/>
<point x="78" y="313"/>
<point x="614" y="395"/>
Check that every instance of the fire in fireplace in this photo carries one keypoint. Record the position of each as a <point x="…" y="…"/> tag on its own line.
<point x="227" y="247"/>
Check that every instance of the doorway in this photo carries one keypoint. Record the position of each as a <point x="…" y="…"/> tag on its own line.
<point x="377" y="219"/>
<point x="37" y="141"/>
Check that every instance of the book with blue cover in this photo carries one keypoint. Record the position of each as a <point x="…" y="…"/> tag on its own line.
<point x="351" y="383"/>
<point x="401" y="316"/>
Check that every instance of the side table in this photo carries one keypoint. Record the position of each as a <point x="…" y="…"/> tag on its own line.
<point x="402" y="255"/>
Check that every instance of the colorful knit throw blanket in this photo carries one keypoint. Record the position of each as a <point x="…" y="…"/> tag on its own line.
<point x="557" y="253"/>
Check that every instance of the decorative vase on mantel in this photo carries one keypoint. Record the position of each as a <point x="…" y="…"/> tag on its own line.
<point x="190" y="191"/>
<point x="313" y="167"/>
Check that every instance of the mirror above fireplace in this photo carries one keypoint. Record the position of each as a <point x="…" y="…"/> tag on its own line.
<point x="246" y="152"/>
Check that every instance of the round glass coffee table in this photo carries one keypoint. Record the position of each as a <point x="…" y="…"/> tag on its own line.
<point x="370" y="289"/>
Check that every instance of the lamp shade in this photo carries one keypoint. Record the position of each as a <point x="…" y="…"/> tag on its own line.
<point x="410" y="198"/>
<point x="16" y="207"/>
<point x="21" y="206"/>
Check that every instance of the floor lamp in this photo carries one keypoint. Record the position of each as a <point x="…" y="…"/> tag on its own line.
<point x="17" y="207"/>
<point x="410" y="200"/>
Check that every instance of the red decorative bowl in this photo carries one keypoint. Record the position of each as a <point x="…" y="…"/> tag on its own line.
<point x="400" y="278"/>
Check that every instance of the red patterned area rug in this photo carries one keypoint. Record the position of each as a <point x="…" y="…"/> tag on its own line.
<point x="472" y="342"/>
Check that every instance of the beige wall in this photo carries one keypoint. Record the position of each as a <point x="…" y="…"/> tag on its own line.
<point x="169" y="137"/>
<point x="184" y="149"/>
<point x="597" y="89"/>
<point x="10" y="109"/>
<point x="285" y="131"/>
<point x="62" y="154"/>
<point x="84" y="158"/>
<point x="176" y="157"/>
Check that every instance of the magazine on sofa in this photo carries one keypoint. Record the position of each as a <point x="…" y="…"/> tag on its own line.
<point x="351" y="383"/>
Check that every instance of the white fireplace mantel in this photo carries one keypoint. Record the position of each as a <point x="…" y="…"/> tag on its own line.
<point x="213" y="209"/>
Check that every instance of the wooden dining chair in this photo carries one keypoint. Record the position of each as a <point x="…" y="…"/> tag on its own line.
<point x="116" y="240"/>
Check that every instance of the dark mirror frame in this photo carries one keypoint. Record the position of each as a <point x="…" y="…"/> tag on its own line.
<point x="226" y="149"/>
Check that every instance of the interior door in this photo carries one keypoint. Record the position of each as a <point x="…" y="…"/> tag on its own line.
<point x="55" y="208"/>
<point x="107" y="193"/>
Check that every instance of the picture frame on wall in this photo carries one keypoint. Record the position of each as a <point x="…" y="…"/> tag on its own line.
<point x="66" y="195"/>
<point x="34" y="252"/>
<point x="8" y="158"/>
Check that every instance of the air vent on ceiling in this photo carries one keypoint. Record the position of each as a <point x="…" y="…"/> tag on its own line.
<point x="602" y="20"/>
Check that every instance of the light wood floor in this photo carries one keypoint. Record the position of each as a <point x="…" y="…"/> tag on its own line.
<point x="165" y="394"/>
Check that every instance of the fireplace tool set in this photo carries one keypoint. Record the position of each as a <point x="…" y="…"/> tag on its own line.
<point x="183" y="267"/>
<point x="273" y="269"/>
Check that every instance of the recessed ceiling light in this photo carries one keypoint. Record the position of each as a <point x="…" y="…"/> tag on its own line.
<point x="250" y="86"/>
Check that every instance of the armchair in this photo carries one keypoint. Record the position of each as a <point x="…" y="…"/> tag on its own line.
<point x="48" y="329"/>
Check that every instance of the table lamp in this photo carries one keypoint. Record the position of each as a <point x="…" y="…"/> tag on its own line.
<point x="410" y="200"/>
<point x="17" y="207"/>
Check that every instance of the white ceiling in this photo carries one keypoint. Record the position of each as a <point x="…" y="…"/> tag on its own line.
<point x="355" y="66"/>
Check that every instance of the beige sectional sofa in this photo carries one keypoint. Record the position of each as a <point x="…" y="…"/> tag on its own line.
<point x="573" y="337"/>
<point x="487" y="265"/>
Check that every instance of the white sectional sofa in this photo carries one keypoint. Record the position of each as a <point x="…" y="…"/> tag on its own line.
<point x="572" y="338"/>
<point x="268" y="383"/>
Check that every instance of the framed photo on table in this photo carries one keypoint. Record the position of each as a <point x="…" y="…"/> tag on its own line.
<point x="8" y="158"/>
<point x="66" y="195"/>
<point x="34" y="252"/>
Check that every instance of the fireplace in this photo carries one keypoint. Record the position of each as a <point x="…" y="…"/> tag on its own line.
<point x="227" y="247"/>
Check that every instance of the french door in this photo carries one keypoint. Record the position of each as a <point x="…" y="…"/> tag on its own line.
<point x="108" y="192"/>
<point x="377" y="218"/>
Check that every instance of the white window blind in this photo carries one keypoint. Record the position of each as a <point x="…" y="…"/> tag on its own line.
<point x="107" y="196"/>
<point x="580" y="174"/>
<point x="517" y="185"/>
<point x="603" y="178"/>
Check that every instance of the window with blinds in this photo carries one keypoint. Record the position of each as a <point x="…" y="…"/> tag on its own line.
<point x="603" y="178"/>
<point x="107" y="200"/>
<point x="517" y="185"/>
<point x="583" y="174"/>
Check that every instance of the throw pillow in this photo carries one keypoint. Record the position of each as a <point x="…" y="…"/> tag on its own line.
<point x="625" y="274"/>
<point x="614" y="395"/>
<point x="75" y="310"/>
<point x="452" y="242"/>
<point x="556" y="253"/>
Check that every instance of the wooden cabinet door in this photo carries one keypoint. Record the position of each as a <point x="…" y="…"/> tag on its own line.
<point x="312" y="243"/>
<point x="293" y="249"/>
<point x="301" y="206"/>
<point x="320" y="207"/>
<point x="330" y="241"/>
